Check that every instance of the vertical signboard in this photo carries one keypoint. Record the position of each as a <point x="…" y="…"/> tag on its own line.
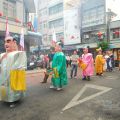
<point x="71" y="26"/>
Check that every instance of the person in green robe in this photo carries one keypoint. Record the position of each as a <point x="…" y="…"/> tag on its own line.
<point x="13" y="61"/>
<point x="59" y="78"/>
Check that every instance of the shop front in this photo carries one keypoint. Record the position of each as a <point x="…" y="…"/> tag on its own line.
<point x="116" y="51"/>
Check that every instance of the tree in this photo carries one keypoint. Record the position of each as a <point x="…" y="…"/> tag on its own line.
<point x="104" y="45"/>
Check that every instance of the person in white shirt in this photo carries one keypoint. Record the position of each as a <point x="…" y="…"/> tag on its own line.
<point x="74" y="64"/>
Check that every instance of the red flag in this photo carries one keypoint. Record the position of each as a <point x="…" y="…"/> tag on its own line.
<point x="22" y="40"/>
<point x="1" y="14"/>
<point x="7" y="28"/>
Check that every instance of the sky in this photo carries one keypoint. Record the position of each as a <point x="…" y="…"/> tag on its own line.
<point x="114" y="5"/>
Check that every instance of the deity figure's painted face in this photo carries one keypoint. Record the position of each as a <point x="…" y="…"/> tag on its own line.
<point x="10" y="44"/>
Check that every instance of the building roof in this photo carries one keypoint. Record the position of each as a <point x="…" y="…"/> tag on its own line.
<point x="30" y="6"/>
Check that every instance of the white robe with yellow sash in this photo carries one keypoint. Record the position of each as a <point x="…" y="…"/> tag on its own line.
<point x="15" y="61"/>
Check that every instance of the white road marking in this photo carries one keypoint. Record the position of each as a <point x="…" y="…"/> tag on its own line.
<point x="75" y="100"/>
<point x="110" y="77"/>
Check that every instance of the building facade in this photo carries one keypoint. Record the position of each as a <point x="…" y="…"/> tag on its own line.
<point x="43" y="20"/>
<point x="115" y="39"/>
<point x="17" y="12"/>
<point x="56" y="19"/>
<point x="80" y="23"/>
<point x="10" y="9"/>
<point x="96" y="18"/>
<point x="93" y="21"/>
<point x="53" y="16"/>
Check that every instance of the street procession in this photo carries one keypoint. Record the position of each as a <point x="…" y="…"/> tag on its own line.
<point x="59" y="60"/>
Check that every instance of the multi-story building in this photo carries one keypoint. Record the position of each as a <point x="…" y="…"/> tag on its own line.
<point x="17" y="12"/>
<point x="53" y="16"/>
<point x="56" y="19"/>
<point x="93" y="21"/>
<point x="96" y="18"/>
<point x="43" y="20"/>
<point x="10" y="9"/>
<point x="115" y="39"/>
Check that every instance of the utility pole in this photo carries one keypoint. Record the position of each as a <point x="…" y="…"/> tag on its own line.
<point x="109" y="16"/>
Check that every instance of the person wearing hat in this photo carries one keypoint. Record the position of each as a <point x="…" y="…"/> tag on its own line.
<point x="59" y="77"/>
<point x="99" y="62"/>
<point x="87" y="58"/>
<point x="13" y="65"/>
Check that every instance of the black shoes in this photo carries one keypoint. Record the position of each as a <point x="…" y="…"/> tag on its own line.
<point x="43" y="82"/>
<point x="86" y="78"/>
<point x="99" y="74"/>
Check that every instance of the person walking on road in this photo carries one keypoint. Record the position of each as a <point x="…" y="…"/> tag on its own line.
<point x="13" y="65"/>
<point x="74" y="64"/>
<point x="48" y="71"/>
<point x="87" y="58"/>
<point x="99" y="62"/>
<point x="59" y="78"/>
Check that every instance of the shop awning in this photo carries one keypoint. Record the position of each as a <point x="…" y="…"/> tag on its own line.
<point x="114" y="45"/>
<point x="91" y="45"/>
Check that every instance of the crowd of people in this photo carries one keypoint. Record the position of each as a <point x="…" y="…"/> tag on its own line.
<point x="104" y="61"/>
<point x="14" y="63"/>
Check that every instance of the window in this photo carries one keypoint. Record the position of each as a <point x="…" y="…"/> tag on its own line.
<point x="56" y="9"/>
<point x="44" y="24"/>
<point x="43" y="12"/>
<point x="9" y="8"/>
<point x="93" y="16"/>
<point x="45" y="38"/>
<point x="100" y="10"/>
<point x="116" y="33"/>
<point x="50" y="37"/>
<point x="59" y="36"/>
<point x="56" y="23"/>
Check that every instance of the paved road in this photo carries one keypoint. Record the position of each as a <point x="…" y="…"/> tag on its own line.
<point x="98" y="99"/>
